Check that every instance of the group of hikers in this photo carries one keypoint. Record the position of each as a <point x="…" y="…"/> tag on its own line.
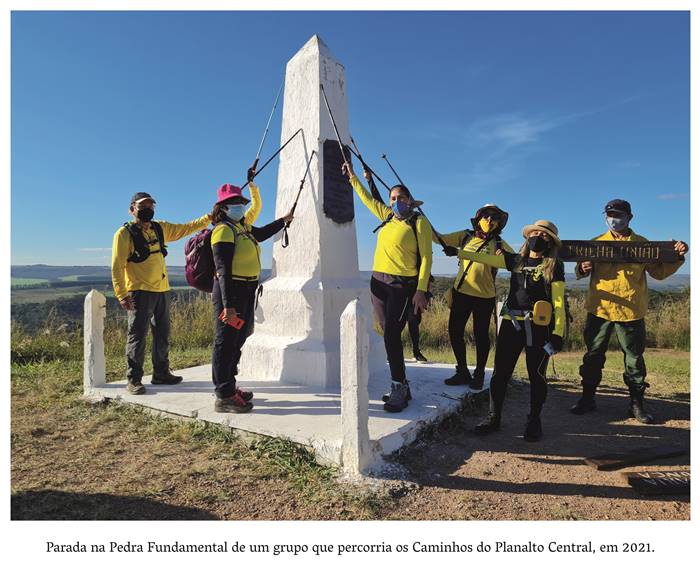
<point x="533" y="316"/>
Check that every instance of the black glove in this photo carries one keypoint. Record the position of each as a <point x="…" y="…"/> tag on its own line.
<point x="251" y="174"/>
<point x="450" y="251"/>
<point x="557" y="342"/>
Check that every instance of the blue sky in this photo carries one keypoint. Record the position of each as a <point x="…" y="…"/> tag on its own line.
<point x="547" y="114"/>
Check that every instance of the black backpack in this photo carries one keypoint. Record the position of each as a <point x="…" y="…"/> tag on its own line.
<point x="142" y="248"/>
<point x="468" y="234"/>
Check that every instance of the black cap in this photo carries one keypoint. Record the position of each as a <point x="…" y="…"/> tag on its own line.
<point x="141" y="196"/>
<point x="617" y="205"/>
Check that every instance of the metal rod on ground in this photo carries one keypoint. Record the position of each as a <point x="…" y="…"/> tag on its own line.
<point x="437" y="234"/>
<point x="267" y="127"/>
<point x="335" y="127"/>
<point x="269" y="160"/>
<point x="285" y="235"/>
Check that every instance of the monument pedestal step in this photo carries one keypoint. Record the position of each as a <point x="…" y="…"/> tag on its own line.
<point x="303" y="414"/>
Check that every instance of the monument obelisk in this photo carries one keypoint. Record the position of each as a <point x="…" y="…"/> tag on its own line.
<point x="297" y="323"/>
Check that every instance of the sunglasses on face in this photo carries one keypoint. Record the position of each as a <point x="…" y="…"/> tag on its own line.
<point x="495" y="216"/>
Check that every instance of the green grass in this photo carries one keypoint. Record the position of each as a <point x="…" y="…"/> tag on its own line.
<point x="20" y="282"/>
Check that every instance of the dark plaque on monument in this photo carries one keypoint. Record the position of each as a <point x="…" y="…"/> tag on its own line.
<point x="337" y="191"/>
<point x="618" y="251"/>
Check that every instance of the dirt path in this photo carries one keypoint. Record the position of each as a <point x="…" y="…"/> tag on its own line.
<point x="77" y="463"/>
<point x="501" y="476"/>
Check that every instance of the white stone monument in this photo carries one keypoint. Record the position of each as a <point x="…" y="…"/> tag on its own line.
<point x="297" y="333"/>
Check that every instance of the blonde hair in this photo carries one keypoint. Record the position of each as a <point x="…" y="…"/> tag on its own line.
<point x="549" y="261"/>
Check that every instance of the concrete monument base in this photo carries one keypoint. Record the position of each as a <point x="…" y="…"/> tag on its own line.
<point x="305" y="415"/>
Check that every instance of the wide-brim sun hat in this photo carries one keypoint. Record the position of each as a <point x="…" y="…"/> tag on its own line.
<point x="229" y="191"/>
<point x="543" y="225"/>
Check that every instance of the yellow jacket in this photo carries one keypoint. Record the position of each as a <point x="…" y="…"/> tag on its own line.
<point x="618" y="291"/>
<point x="397" y="251"/>
<point x="149" y="275"/>
<point x="479" y="279"/>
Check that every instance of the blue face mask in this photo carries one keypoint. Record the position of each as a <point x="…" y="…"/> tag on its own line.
<point x="400" y="209"/>
<point x="617" y="224"/>
<point x="235" y="212"/>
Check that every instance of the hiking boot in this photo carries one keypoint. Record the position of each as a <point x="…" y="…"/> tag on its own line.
<point x="460" y="378"/>
<point x="636" y="410"/>
<point x="167" y="378"/>
<point x="586" y="403"/>
<point x="385" y="397"/>
<point x="135" y="387"/>
<point x="491" y="424"/>
<point x="398" y="399"/>
<point x="418" y="355"/>
<point x="477" y="382"/>
<point x="533" y="429"/>
<point x="233" y="404"/>
<point x="245" y="396"/>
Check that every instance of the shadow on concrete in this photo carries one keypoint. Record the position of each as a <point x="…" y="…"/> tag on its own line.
<point x="62" y="505"/>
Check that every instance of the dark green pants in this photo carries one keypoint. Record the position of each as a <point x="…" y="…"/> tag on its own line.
<point x="631" y="336"/>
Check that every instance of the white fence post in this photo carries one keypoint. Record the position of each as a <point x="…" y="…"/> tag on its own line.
<point x="354" y="377"/>
<point x="94" y="371"/>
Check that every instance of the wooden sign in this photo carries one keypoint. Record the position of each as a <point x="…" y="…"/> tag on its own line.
<point x="660" y="482"/>
<point x="619" y="459"/>
<point x="337" y="192"/>
<point x="618" y="251"/>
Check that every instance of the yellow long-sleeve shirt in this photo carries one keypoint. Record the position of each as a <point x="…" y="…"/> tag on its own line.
<point x="618" y="291"/>
<point x="149" y="275"/>
<point x="479" y="279"/>
<point x="507" y="261"/>
<point x="255" y="205"/>
<point x="397" y="248"/>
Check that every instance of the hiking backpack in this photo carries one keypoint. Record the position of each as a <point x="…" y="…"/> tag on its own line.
<point x="142" y="250"/>
<point x="199" y="260"/>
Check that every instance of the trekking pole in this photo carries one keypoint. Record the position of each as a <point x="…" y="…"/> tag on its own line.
<point x="335" y="127"/>
<point x="267" y="128"/>
<point x="437" y="234"/>
<point x="269" y="160"/>
<point x="372" y="186"/>
<point x="285" y="235"/>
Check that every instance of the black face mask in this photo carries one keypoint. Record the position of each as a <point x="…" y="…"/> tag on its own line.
<point x="145" y="215"/>
<point x="537" y="244"/>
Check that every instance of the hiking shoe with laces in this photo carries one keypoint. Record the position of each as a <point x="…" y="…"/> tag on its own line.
<point x="385" y="397"/>
<point x="491" y="424"/>
<point x="135" y="387"/>
<point x="245" y="395"/>
<point x="167" y="378"/>
<point x="418" y="355"/>
<point x="233" y="405"/>
<point x="533" y="429"/>
<point x="398" y="399"/>
<point x="477" y="382"/>
<point x="461" y="377"/>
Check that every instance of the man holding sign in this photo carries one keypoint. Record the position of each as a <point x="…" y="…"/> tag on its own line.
<point x="618" y="299"/>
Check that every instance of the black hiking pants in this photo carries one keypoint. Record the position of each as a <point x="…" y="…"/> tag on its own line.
<point x="228" y="341"/>
<point x="391" y="302"/>
<point x="509" y="345"/>
<point x="464" y="306"/>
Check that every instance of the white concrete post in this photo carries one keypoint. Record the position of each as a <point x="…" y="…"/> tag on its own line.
<point x="94" y="371"/>
<point x="354" y="404"/>
<point x="296" y="338"/>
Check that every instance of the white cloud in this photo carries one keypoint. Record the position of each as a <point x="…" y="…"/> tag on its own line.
<point x="680" y="196"/>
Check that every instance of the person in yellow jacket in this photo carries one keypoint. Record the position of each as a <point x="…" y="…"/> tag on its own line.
<point x="474" y="291"/>
<point x="534" y="318"/>
<point x="140" y="281"/>
<point x="236" y="253"/>
<point x="617" y="300"/>
<point x="400" y="275"/>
